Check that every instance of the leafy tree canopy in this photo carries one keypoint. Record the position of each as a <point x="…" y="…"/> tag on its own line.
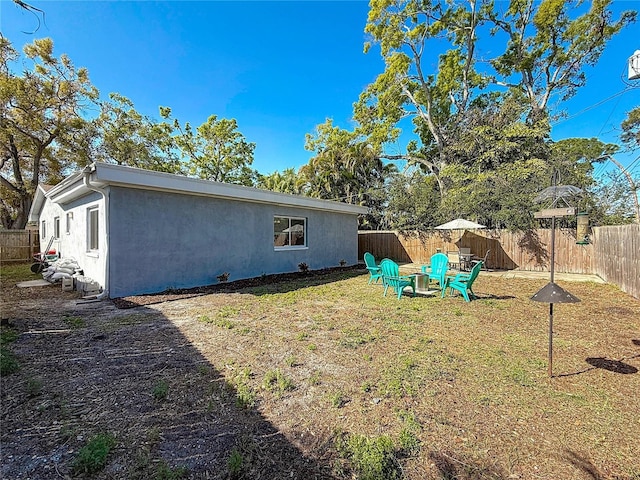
<point x="40" y="114"/>
<point x="46" y="132"/>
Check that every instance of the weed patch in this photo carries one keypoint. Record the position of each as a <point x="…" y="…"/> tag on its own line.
<point x="93" y="456"/>
<point x="370" y="458"/>
<point x="160" y="390"/>
<point x="8" y="361"/>
<point x="275" y="381"/>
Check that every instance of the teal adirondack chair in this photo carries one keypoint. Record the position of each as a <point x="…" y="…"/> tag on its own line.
<point x="391" y="278"/>
<point x="375" y="273"/>
<point x="463" y="282"/>
<point x="437" y="268"/>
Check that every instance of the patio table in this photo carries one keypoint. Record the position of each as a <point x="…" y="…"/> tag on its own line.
<point x="421" y="282"/>
<point x="465" y="261"/>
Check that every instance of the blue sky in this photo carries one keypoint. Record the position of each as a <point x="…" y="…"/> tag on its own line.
<point x="279" y="68"/>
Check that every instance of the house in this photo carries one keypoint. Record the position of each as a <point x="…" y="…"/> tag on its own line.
<point x="138" y="231"/>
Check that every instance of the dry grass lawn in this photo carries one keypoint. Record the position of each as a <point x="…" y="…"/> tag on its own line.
<point x="323" y="377"/>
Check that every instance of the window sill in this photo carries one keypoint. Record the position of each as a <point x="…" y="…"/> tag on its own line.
<point x="286" y="249"/>
<point x="93" y="253"/>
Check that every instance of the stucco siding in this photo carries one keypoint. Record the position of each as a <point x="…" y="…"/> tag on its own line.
<point x="73" y="243"/>
<point x="160" y="240"/>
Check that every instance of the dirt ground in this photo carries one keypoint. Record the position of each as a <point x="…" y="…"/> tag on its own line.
<point x="449" y="373"/>
<point x="97" y="364"/>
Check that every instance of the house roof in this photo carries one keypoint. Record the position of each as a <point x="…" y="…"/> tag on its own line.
<point x="105" y="174"/>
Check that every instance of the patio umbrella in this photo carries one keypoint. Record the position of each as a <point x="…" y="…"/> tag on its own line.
<point x="459" y="224"/>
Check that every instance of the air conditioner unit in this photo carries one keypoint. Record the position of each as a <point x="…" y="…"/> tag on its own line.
<point x="634" y="66"/>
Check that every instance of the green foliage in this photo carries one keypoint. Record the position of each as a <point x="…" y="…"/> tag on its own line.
<point x="355" y="337"/>
<point x="337" y="400"/>
<point x="371" y="458"/>
<point x="74" y="322"/>
<point x="275" y="381"/>
<point x="160" y="390"/>
<point x="630" y="135"/>
<point x="245" y="395"/>
<point x="286" y="181"/>
<point x="408" y="441"/>
<point x="130" y="138"/>
<point x="8" y="362"/>
<point x="221" y="319"/>
<point x="291" y="361"/>
<point x="345" y="168"/>
<point x="485" y="150"/>
<point x="165" y="472"/>
<point x="40" y="123"/>
<point x="34" y="387"/>
<point x="613" y="206"/>
<point x="93" y="456"/>
<point x="235" y="463"/>
<point x="7" y="335"/>
<point x="216" y="150"/>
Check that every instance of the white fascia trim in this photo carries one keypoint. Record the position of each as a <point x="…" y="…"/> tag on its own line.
<point x="148" y="179"/>
<point x="37" y="204"/>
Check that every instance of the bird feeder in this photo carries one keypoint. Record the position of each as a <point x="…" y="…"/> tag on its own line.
<point x="582" y="229"/>
<point x="553" y="293"/>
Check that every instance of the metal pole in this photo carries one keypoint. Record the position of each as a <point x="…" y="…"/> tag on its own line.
<point x="550" y="368"/>
<point x="553" y="245"/>
<point x="553" y="261"/>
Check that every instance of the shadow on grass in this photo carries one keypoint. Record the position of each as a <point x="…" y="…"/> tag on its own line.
<point x="615" y="366"/>
<point x="105" y="376"/>
<point x="451" y="468"/>
<point x="583" y="465"/>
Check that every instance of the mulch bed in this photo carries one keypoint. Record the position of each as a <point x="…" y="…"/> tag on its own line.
<point x="225" y="287"/>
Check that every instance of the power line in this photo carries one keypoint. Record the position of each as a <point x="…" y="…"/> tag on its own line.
<point x="590" y="107"/>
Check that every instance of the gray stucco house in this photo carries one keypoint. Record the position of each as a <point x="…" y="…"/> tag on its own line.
<point x="139" y="231"/>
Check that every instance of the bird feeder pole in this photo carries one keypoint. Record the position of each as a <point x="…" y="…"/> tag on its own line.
<point x="551" y="292"/>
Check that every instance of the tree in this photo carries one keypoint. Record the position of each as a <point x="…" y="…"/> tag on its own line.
<point x="630" y="136"/>
<point x="286" y="181"/>
<point x="216" y="150"/>
<point x="613" y="195"/>
<point x="547" y="47"/>
<point x="410" y="199"/>
<point x="345" y="168"/>
<point x="127" y="137"/>
<point x="40" y="115"/>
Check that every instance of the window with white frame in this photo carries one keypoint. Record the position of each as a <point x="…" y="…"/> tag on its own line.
<point x="43" y="229"/>
<point x="56" y="227"/>
<point x="92" y="228"/>
<point x="68" y="222"/>
<point x="289" y="232"/>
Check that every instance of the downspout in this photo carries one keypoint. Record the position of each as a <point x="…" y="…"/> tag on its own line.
<point x="105" y="196"/>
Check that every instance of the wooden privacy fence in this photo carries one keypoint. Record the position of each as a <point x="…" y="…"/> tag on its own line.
<point x="18" y="245"/>
<point x="528" y="251"/>
<point x="613" y="254"/>
<point x="617" y="253"/>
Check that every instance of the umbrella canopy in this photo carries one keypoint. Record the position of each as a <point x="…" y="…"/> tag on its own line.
<point x="459" y="224"/>
<point x="295" y="228"/>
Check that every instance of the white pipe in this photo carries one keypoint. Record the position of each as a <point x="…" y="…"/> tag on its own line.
<point x="105" y="196"/>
